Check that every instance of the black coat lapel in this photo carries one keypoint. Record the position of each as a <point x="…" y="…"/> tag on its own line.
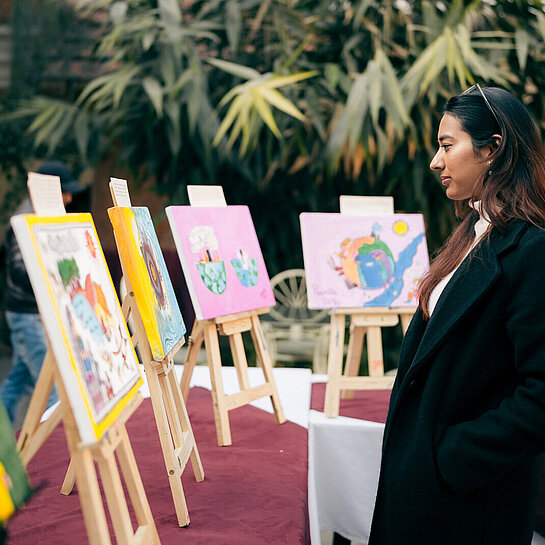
<point x="469" y="283"/>
<point x="411" y="341"/>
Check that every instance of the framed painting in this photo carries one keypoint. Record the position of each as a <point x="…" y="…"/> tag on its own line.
<point x="145" y="266"/>
<point x="221" y="259"/>
<point x="82" y="317"/>
<point x="14" y="485"/>
<point x="363" y="261"/>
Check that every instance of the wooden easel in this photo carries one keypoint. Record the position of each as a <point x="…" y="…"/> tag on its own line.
<point x="363" y="321"/>
<point x="232" y="326"/>
<point x="34" y="433"/>
<point x="45" y="193"/>
<point x="83" y="458"/>
<point x="175" y="433"/>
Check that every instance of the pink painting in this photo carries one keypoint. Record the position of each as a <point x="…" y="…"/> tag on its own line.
<point x="363" y="261"/>
<point x="221" y="259"/>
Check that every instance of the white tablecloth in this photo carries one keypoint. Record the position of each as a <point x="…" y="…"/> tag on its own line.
<point x="344" y="464"/>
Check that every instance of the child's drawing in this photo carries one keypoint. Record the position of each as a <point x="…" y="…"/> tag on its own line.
<point x="81" y="315"/>
<point x="245" y="268"/>
<point x="355" y="261"/>
<point x="211" y="267"/>
<point x="148" y="276"/>
<point x="208" y="240"/>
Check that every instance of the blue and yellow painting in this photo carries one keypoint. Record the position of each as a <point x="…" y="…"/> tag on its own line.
<point x="377" y="263"/>
<point x="145" y="266"/>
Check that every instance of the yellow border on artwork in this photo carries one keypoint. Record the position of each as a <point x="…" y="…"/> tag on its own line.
<point x="135" y="266"/>
<point x="101" y="427"/>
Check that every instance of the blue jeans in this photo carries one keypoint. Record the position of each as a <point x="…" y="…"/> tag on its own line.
<point x="29" y="348"/>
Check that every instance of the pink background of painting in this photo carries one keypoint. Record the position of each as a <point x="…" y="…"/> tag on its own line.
<point x="322" y="234"/>
<point x="234" y="229"/>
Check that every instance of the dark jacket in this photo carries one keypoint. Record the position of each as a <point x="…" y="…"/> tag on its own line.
<point x="466" y="423"/>
<point x="19" y="296"/>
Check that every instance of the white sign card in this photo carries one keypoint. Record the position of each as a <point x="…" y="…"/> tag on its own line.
<point x="358" y="205"/>
<point x="206" y="195"/>
<point x="120" y="192"/>
<point x="45" y="194"/>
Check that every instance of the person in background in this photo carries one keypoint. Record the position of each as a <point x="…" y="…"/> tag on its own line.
<point x="466" y="425"/>
<point x="27" y="335"/>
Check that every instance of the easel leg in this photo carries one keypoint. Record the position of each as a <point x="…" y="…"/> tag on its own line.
<point x="334" y="366"/>
<point x="239" y="359"/>
<point x="135" y="487"/>
<point x="181" y="410"/>
<point x="167" y="446"/>
<point x="115" y="497"/>
<point x="69" y="480"/>
<point x="194" y="345"/>
<point x="90" y="498"/>
<point x="84" y="469"/>
<point x="374" y="352"/>
<point x="33" y="434"/>
<point x="221" y="415"/>
<point x="264" y="359"/>
<point x="353" y="356"/>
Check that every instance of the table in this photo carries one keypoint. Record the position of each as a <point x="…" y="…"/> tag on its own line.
<point x="254" y="492"/>
<point x="344" y="462"/>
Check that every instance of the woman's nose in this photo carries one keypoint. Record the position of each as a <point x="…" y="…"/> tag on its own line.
<point x="437" y="161"/>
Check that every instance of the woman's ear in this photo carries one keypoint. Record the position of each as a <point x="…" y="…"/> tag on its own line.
<point x="495" y="145"/>
<point x="497" y="140"/>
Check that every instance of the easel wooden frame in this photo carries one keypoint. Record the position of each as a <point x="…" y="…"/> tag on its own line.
<point x="173" y="425"/>
<point x="363" y="321"/>
<point x="233" y="326"/>
<point x="46" y="196"/>
<point x="33" y="432"/>
<point x="175" y="433"/>
<point x="83" y="458"/>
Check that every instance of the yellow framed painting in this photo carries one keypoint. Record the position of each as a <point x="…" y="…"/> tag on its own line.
<point x="145" y="266"/>
<point x="81" y="316"/>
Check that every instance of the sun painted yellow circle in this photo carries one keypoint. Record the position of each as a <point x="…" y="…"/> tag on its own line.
<point x="400" y="227"/>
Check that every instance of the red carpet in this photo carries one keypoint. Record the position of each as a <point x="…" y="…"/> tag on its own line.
<point x="366" y="405"/>
<point x="254" y="492"/>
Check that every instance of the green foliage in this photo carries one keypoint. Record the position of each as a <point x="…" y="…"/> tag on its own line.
<point x="186" y="84"/>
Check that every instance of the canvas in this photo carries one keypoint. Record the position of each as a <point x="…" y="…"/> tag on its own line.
<point x="14" y="485"/>
<point x="145" y="266"/>
<point x="81" y="316"/>
<point x="363" y="261"/>
<point x="221" y="259"/>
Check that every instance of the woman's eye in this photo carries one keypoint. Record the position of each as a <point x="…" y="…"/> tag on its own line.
<point x="446" y="146"/>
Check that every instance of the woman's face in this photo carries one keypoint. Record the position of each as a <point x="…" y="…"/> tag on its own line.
<point x="456" y="160"/>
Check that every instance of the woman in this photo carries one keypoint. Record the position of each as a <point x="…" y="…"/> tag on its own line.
<point x="466" y="423"/>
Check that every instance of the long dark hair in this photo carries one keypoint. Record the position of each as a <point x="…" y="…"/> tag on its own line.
<point x="513" y="187"/>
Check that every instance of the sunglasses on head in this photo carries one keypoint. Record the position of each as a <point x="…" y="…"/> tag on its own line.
<point x="478" y="87"/>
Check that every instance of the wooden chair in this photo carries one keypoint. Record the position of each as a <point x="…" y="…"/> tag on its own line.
<point x="292" y="330"/>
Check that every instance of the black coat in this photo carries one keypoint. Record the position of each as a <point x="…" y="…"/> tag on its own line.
<point x="466" y="423"/>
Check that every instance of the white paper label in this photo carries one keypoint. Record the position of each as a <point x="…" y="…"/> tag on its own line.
<point x="120" y="192"/>
<point x="46" y="194"/>
<point x="358" y="205"/>
<point x="206" y="195"/>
